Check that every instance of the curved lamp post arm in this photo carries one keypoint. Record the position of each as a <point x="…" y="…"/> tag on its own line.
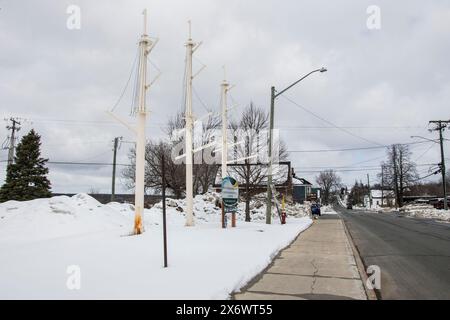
<point x="284" y="90"/>
<point x="425" y="139"/>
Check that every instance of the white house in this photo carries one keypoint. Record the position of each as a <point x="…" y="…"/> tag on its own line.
<point x="379" y="196"/>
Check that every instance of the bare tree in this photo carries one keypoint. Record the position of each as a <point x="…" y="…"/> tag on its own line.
<point x="329" y="182"/>
<point x="153" y="159"/>
<point x="93" y="190"/>
<point x="204" y="174"/>
<point x="249" y="130"/>
<point x="400" y="171"/>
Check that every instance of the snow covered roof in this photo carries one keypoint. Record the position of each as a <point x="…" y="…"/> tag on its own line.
<point x="301" y="181"/>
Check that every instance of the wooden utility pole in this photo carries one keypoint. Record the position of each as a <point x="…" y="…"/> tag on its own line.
<point x="12" y="142"/>
<point x="163" y="188"/>
<point x="382" y="185"/>
<point x="273" y="95"/>
<point x="440" y="126"/>
<point x="113" y="183"/>
<point x="370" y="195"/>
<point x="269" y="175"/>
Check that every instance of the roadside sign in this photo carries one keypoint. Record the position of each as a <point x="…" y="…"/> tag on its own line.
<point x="230" y="198"/>
<point x="230" y="192"/>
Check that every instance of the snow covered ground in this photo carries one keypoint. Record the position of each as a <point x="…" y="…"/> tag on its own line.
<point x="425" y="211"/>
<point x="46" y="244"/>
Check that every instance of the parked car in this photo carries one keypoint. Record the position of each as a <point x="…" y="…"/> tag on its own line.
<point x="349" y="206"/>
<point x="440" y="203"/>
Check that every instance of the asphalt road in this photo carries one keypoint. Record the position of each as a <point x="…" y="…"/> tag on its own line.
<point x="413" y="254"/>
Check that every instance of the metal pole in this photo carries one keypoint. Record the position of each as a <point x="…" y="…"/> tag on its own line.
<point x="224" y="86"/>
<point x="189" y="126"/>
<point x="163" y="187"/>
<point x="444" y="186"/>
<point x="113" y="183"/>
<point x="140" y="137"/>
<point x="272" y="104"/>
<point x="269" y="176"/>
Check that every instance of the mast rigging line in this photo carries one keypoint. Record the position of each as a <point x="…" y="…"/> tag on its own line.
<point x="200" y="100"/>
<point x="127" y="83"/>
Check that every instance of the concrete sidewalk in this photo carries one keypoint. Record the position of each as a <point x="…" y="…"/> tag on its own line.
<point x="319" y="264"/>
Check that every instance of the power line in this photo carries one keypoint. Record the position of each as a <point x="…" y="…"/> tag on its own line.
<point x="369" y="160"/>
<point x="355" y="167"/>
<point x="338" y="170"/>
<point x="82" y="163"/>
<point x="345" y="127"/>
<point x="353" y="149"/>
<point x="329" y="122"/>
<point x="429" y="175"/>
<point x="425" y="152"/>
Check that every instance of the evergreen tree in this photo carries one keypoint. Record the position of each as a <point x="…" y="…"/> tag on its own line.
<point x="26" y="178"/>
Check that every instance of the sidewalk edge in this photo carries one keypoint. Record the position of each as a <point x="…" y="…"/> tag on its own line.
<point x="258" y="276"/>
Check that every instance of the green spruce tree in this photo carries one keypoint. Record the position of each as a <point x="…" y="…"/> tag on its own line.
<point x="26" y="178"/>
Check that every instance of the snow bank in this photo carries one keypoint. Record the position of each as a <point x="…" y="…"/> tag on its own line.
<point x="327" y="210"/>
<point x="41" y="239"/>
<point x="425" y="211"/>
<point x="55" y="217"/>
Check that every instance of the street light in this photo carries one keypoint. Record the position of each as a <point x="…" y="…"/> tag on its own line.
<point x="420" y="137"/>
<point x="273" y="95"/>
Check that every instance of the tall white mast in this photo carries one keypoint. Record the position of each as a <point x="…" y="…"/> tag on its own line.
<point x="189" y="125"/>
<point x="145" y="46"/>
<point x="223" y="100"/>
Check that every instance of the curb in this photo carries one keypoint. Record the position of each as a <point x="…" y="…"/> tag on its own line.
<point x="370" y="293"/>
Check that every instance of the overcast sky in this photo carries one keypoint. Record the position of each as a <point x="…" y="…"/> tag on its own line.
<point x="382" y="85"/>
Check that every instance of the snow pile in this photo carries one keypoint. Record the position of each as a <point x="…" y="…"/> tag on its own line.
<point x="41" y="240"/>
<point x="206" y="208"/>
<point x="416" y="210"/>
<point x="327" y="210"/>
<point x="341" y="201"/>
<point x="425" y="211"/>
<point x="55" y="217"/>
